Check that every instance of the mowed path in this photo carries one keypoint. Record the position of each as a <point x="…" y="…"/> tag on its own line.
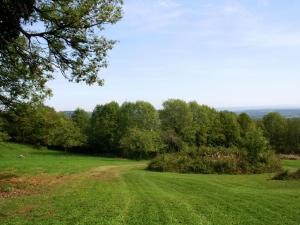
<point x="123" y="192"/>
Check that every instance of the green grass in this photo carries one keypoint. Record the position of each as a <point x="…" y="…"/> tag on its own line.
<point x="112" y="191"/>
<point x="47" y="161"/>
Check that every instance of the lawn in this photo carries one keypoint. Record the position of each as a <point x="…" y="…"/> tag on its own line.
<point x="49" y="187"/>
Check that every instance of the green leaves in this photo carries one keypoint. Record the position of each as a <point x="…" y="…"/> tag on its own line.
<point x="42" y="126"/>
<point x="44" y="36"/>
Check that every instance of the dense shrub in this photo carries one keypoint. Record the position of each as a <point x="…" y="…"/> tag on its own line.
<point x="214" y="160"/>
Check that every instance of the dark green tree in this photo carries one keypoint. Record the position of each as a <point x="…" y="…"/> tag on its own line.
<point x="42" y="126"/>
<point x="246" y="123"/>
<point x="66" y="134"/>
<point x="177" y="118"/>
<point x="140" y="114"/>
<point x="38" y="37"/>
<point x="141" y="144"/>
<point x="103" y="132"/>
<point x="292" y="137"/>
<point x="81" y="118"/>
<point x="274" y="127"/>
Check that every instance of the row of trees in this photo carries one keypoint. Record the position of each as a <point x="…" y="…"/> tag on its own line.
<point x="138" y="130"/>
<point x="282" y="133"/>
<point x="41" y="126"/>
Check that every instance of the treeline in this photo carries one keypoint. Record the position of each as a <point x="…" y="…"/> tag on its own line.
<point x="137" y="130"/>
<point x="282" y="133"/>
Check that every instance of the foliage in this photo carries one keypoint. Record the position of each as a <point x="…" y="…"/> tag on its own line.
<point x="255" y="143"/>
<point x="286" y="175"/>
<point x="202" y="122"/>
<point x="140" y="114"/>
<point x="81" y="120"/>
<point x="179" y="126"/>
<point x="38" y="37"/>
<point x="3" y="133"/>
<point x="103" y="131"/>
<point x="172" y="142"/>
<point x="230" y="128"/>
<point x="42" y="126"/>
<point x="246" y="123"/>
<point x="176" y="117"/>
<point x="141" y="144"/>
<point x="292" y="136"/>
<point x="66" y="134"/>
<point x="212" y="160"/>
<point x="274" y="126"/>
<point x="282" y="133"/>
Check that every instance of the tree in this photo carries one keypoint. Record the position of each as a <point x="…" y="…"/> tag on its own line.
<point x="38" y="37"/>
<point x="176" y="117"/>
<point x="255" y="143"/>
<point x="292" y="137"/>
<point x="31" y="124"/>
<point x="216" y="136"/>
<point x="81" y="119"/>
<point x="141" y="144"/>
<point x="245" y="122"/>
<point x="103" y="132"/>
<point x="201" y="122"/>
<point x="66" y="134"/>
<point x="274" y="126"/>
<point x="231" y="128"/>
<point x="140" y="114"/>
<point x="42" y="126"/>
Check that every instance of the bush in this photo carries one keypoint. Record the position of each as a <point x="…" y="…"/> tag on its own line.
<point x="282" y="175"/>
<point x="286" y="175"/>
<point x="213" y="160"/>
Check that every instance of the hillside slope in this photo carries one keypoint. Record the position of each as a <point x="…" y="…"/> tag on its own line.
<point x="48" y="187"/>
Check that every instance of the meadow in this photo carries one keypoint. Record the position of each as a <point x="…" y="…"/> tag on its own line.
<point x="52" y="187"/>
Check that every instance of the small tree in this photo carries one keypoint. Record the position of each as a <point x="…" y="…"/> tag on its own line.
<point x="255" y="144"/>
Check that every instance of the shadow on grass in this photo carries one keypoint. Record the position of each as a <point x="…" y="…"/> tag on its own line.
<point x="58" y="153"/>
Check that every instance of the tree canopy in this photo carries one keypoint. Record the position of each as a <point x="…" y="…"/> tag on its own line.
<point x="39" y="37"/>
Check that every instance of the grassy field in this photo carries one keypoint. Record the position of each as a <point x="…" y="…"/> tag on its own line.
<point x="48" y="187"/>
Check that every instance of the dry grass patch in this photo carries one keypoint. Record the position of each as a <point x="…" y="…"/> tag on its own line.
<point x="14" y="186"/>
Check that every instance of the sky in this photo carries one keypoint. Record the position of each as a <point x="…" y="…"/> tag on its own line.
<point x="222" y="53"/>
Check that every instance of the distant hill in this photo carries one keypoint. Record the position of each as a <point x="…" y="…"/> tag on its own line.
<point x="68" y="113"/>
<point x="259" y="113"/>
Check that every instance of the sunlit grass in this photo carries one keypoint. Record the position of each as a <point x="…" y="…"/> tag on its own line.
<point x="137" y="196"/>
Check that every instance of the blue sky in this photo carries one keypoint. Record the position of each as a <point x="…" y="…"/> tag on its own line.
<point x="223" y="53"/>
